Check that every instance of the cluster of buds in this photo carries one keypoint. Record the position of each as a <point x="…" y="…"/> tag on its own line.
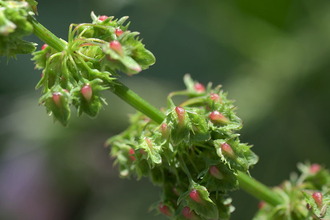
<point x="87" y="65"/>
<point x="306" y="196"/>
<point x="193" y="155"/>
<point x="14" y="25"/>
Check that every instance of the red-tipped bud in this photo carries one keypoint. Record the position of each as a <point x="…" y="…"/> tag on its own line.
<point x="317" y="196"/>
<point x="42" y="74"/>
<point x="195" y="196"/>
<point x="149" y="143"/>
<point x="199" y="87"/>
<point x="164" y="129"/>
<point x="103" y="17"/>
<point x="119" y="32"/>
<point x="164" y="209"/>
<point x="226" y="148"/>
<point x="131" y="152"/>
<point x="261" y="204"/>
<point x="315" y="168"/>
<point x="44" y="46"/>
<point x="214" y="171"/>
<point x="181" y="114"/>
<point x="65" y="90"/>
<point x="189" y="214"/>
<point x="217" y="117"/>
<point x="215" y="97"/>
<point x="87" y="92"/>
<point x="116" y="46"/>
<point x="143" y="152"/>
<point x="57" y="99"/>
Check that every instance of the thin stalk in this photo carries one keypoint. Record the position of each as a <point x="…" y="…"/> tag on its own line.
<point x="258" y="190"/>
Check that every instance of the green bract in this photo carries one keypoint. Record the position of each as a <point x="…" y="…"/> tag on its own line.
<point x="91" y="57"/>
<point x="14" y="25"/>
<point x="186" y="152"/>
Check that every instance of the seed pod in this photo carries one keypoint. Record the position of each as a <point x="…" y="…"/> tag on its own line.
<point x="200" y="88"/>
<point x="214" y="171"/>
<point x="189" y="214"/>
<point x="226" y="148"/>
<point x="195" y="196"/>
<point x="103" y="17"/>
<point x="131" y="152"/>
<point x="57" y="99"/>
<point x="217" y="117"/>
<point x="116" y="46"/>
<point x="87" y="92"/>
<point x="318" y="197"/>
<point x="164" y="209"/>
<point x="181" y="114"/>
<point x="119" y="32"/>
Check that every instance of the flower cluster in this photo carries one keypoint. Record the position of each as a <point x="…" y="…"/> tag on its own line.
<point x="306" y="197"/>
<point x="87" y="65"/>
<point x="193" y="155"/>
<point x="14" y="25"/>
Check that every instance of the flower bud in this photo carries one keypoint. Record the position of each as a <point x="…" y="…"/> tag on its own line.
<point x="57" y="99"/>
<point x="195" y="196"/>
<point x="200" y="88"/>
<point x="87" y="92"/>
<point x="215" y="97"/>
<point x="261" y="204"/>
<point x="317" y="196"/>
<point x="119" y="32"/>
<point x="226" y="148"/>
<point x="164" y="129"/>
<point x="315" y="168"/>
<point x="103" y="17"/>
<point x="116" y="46"/>
<point x="149" y="142"/>
<point x="131" y="152"/>
<point x="217" y="117"/>
<point x="214" y="171"/>
<point x="181" y="114"/>
<point x="189" y="214"/>
<point x="44" y="46"/>
<point x="164" y="209"/>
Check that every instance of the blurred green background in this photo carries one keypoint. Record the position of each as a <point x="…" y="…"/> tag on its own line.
<point x="273" y="57"/>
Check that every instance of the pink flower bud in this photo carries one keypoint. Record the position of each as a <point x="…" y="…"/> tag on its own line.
<point x="57" y="99"/>
<point x="103" y="17"/>
<point x="116" y="46"/>
<point x="65" y="90"/>
<point x="164" y="209"/>
<point x="189" y="214"/>
<point x="217" y="117"/>
<point x="315" y="168"/>
<point x="181" y="114"/>
<point x="214" y="171"/>
<point x="44" y="46"/>
<point x="318" y="197"/>
<point x="199" y="87"/>
<point x="195" y="196"/>
<point x="131" y="152"/>
<point x="261" y="204"/>
<point x="42" y="74"/>
<point x="226" y="148"/>
<point x="215" y="97"/>
<point x="119" y="32"/>
<point x="149" y="142"/>
<point x="164" y="129"/>
<point x="87" y="92"/>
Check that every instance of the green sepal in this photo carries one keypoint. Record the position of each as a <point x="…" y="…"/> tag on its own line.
<point x="180" y="132"/>
<point x="61" y="112"/>
<point x="199" y="126"/>
<point x="224" y="206"/>
<point x="151" y="151"/>
<point x="207" y="209"/>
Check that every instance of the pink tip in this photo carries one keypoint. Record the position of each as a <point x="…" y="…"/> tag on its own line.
<point x="149" y="143"/>
<point x="119" y="32"/>
<point x="57" y="99"/>
<point x="315" y="168"/>
<point x="214" y="171"/>
<point x="181" y="113"/>
<point x="199" y="87"/>
<point x="42" y="74"/>
<point x="216" y="116"/>
<point x="116" y="46"/>
<point x="215" y="97"/>
<point x="44" y="46"/>
<point x="87" y="92"/>
<point x="261" y="204"/>
<point x="317" y="196"/>
<point x="189" y="214"/>
<point x="65" y="90"/>
<point x="164" y="209"/>
<point x="195" y="196"/>
<point x="131" y="152"/>
<point x="164" y="129"/>
<point x="226" y="148"/>
<point x="103" y="17"/>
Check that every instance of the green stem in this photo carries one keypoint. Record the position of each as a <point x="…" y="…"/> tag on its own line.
<point x="258" y="190"/>
<point x="247" y="183"/>
<point x="137" y="102"/>
<point x="46" y="36"/>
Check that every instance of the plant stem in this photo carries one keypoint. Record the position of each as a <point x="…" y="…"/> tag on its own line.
<point x="258" y="190"/>
<point x="46" y="36"/>
<point x="247" y="183"/>
<point x="137" y="102"/>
